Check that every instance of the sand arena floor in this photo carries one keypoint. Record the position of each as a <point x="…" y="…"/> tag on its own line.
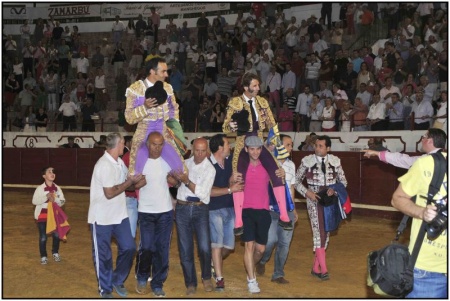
<point x="74" y="277"/>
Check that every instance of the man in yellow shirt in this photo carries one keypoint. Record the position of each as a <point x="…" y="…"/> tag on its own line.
<point x="430" y="270"/>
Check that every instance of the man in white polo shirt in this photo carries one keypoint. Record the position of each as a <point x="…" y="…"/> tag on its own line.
<point x="108" y="217"/>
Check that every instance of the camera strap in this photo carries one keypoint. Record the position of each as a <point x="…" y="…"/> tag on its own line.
<point x="440" y="164"/>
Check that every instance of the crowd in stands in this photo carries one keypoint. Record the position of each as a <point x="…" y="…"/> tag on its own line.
<point x="310" y="80"/>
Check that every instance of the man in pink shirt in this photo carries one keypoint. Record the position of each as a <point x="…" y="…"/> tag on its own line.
<point x="255" y="214"/>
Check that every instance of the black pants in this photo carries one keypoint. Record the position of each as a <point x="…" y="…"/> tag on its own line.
<point x="88" y="126"/>
<point x="396" y="126"/>
<point x="64" y="66"/>
<point x="379" y="126"/>
<point x="202" y="37"/>
<point x="155" y="34"/>
<point x="69" y="121"/>
<point x="326" y="12"/>
<point x="421" y="126"/>
<point x="27" y="65"/>
<point x="212" y="73"/>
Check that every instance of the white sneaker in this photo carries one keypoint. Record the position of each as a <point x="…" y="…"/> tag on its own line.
<point x="56" y="257"/>
<point x="44" y="260"/>
<point x="253" y="287"/>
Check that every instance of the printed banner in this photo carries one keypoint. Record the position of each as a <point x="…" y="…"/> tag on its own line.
<point x="24" y="13"/>
<point x="109" y="10"/>
<point x="130" y="10"/>
<point x="80" y="10"/>
<point x="58" y="12"/>
<point x="194" y="7"/>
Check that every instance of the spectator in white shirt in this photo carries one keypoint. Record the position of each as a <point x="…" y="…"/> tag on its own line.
<point x="210" y="88"/>
<point x="253" y="57"/>
<point x="117" y="29"/>
<point x="68" y="110"/>
<point x="388" y="90"/>
<point x="263" y="69"/>
<point x="378" y="60"/>
<point x="273" y="84"/>
<point x="315" y="112"/>
<point x="312" y="72"/>
<point x="364" y="95"/>
<point x="304" y="101"/>
<point x="377" y="115"/>
<point x="324" y="92"/>
<point x="289" y="79"/>
<point x="442" y="114"/>
<point x="319" y="45"/>
<point x="408" y="29"/>
<point x="83" y="64"/>
<point x="423" y="111"/>
<point x="268" y="51"/>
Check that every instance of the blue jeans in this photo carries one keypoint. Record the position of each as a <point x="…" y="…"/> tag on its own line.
<point x="132" y="208"/>
<point x="360" y="128"/>
<point x="155" y="230"/>
<point x="429" y="285"/>
<point x="43" y="240"/>
<point x="221" y="225"/>
<point x="101" y="252"/>
<point x="282" y="239"/>
<point x="190" y="220"/>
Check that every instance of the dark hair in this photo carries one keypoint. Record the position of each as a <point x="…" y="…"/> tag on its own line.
<point x="70" y="138"/>
<point x="128" y="138"/>
<point x="326" y="138"/>
<point x="153" y="64"/>
<point x="44" y="170"/>
<point x="439" y="137"/>
<point x="378" y="141"/>
<point x="248" y="77"/>
<point x="282" y="136"/>
<point x="216" y="141"/>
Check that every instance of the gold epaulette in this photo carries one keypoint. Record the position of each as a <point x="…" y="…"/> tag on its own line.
<point x="236" y="104"/>
<point x="263" y="103"/>
<point x="136" y="88"/>
<point x="168" y="88"/>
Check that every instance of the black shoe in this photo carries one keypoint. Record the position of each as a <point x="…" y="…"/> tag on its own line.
<point x="317" y="275"/>
<point x="238" y="231"/>
<point x="286" y="225"/>
<point x="325" y="276"/>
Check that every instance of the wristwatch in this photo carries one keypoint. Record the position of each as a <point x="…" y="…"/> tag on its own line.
<point x="187" y="184"/>
<point x="229" y="190"/>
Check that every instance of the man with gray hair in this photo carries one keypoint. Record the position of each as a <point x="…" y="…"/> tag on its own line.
<point x="192" y="215"/>
<point x="108" y="217"/>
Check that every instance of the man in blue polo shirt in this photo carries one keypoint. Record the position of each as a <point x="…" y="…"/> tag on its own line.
<point x="221" y="206"/>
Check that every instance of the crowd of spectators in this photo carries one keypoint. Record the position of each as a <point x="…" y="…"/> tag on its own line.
<point x="310" y="80"/>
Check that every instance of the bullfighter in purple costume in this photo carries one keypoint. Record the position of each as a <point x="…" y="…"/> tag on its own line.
<point x="151" y="116"/>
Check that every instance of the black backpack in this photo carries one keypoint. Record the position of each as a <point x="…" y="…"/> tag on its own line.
<point x="390" y="269"/>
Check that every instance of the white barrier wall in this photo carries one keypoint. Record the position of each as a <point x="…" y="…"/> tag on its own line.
<point x="395" y="141"/>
